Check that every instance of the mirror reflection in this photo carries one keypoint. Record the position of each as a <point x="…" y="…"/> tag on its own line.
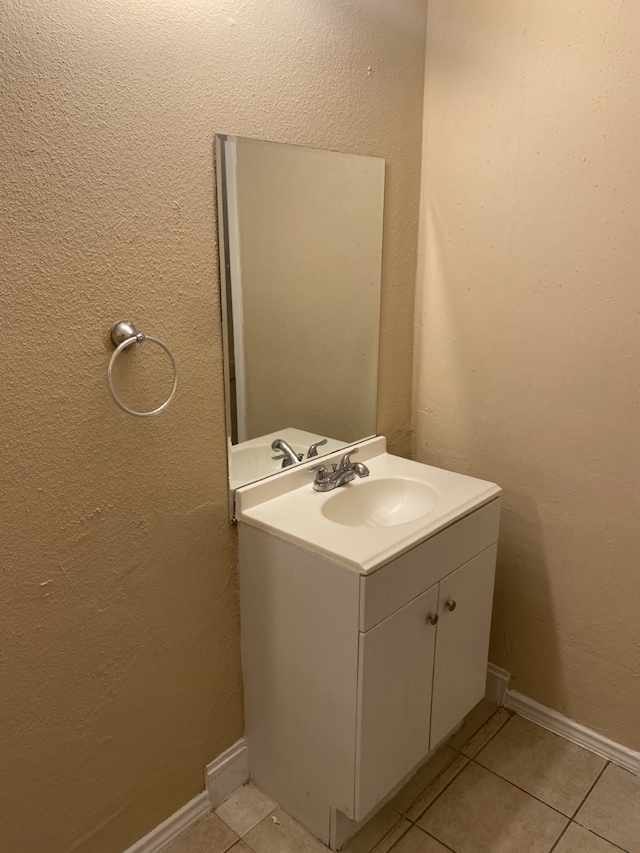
<point x="301" y="248"/>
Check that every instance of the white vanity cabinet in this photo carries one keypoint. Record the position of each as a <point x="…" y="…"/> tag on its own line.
<point x="420" y="671"/>
<point x="352" y="678"/>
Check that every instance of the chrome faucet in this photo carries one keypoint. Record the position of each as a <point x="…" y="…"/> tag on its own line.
<point x="289" y="456"/>
<point x="345" y="472"/>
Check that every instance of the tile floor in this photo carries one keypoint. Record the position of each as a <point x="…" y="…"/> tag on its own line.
<point x="500" y="785"/>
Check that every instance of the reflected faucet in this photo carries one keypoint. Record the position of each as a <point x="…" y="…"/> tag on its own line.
<point x="345" y="472"/>
<point x="313" y="450"/>
<point x="289" y="456"/>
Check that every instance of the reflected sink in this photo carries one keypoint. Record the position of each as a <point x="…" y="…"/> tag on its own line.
<point x="380" y="503"/>
<point x="253" y="459"/>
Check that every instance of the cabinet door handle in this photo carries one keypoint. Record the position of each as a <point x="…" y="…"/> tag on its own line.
<point x="432" y="618"/>
<point x="451" y="604"/>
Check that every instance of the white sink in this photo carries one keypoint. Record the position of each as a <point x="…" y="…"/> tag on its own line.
<point x="380" y="502"/>
<point x="368" y="522"/>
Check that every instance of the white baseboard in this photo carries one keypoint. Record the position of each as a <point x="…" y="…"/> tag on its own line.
<point x="575" y="732"/>
<point x="162" y="836"/>
<point x="497" y="680"/>
<point x="227" y="772"/>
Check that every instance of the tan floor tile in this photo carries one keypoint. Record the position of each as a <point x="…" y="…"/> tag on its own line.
<point x="484" y="735"/>
<point x="481" y="813"/>
<point x="551" y="768"/>
<point x="436" y="787"/>
<point x="373" y="831"/>
<point x="579" y="840"/>
<point x="245" y="808"/>
<point x="209" y="835"/>
<point x="240" y="847"/>
<point x="406" y="796"/>
<point x="612" y="809"/>
<point x="476" y="718"/>
<point x="285" y="836"/>
<point x="417" y="841"/>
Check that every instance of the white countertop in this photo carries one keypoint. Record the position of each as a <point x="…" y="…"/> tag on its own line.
<point x="288" y="507"/>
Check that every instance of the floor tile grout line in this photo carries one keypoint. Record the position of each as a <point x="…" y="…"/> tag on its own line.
<point x="385" y="835"/>
<point x="271" y="813"/>
<point x="440" y="793"/>
<point x="459" y="754"/>
<point x="575" y="814"/>
<point x="528" y="793"/>
<point x="586" y="828"/>
<point x="246" y="844"/>
<point x="584" y="799"/>
<point x="405" y="813"/>
<point x="481" y="726"/>
<point x="560" y="837"/>
<point x="495" y="734"/>
<point x="388" y="833"/>
<point x="430" y="835"/>
<point x="431" y="782"/>
<point x="597" y="834"/>
<point x="246" y="832"/>
<point x="484" y="725"/>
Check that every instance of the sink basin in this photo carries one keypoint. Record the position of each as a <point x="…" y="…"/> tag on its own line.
<point x="370" y="521"/>
<point x="380" y="503"/>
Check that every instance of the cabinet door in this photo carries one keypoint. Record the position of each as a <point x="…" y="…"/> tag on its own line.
<point x="394" y="698"/>
<point x="460" y="670"/>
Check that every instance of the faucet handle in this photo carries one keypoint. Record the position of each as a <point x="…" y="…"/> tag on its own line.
<point x="313" y="450"/>
<point x="321" y="472"/>
<point x="346" y="459"/>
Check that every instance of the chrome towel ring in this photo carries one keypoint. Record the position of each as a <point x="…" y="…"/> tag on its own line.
<point x="123" y="335"/>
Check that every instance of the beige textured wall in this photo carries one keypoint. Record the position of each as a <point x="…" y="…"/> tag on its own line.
<point x="528" y="352"/>
<point x="119" y="659"/>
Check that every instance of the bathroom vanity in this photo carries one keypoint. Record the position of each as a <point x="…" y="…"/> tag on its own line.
<point x="365" y="630"/>
<point x="366" y="603"/>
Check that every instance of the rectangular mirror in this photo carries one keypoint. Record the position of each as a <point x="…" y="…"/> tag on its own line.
<point x="301" y="250"/>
